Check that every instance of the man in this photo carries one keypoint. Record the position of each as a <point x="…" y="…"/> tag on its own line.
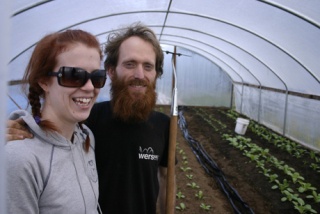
<point x="131" y="139"/>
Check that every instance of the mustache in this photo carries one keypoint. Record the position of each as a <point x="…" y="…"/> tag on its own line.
<point x="138" y="82"/>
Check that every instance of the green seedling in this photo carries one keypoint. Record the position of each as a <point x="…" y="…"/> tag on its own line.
<point x="205" y="207"/>
<point x="180" y="195"/>
<point x="199" y="195"/>
<point x="181" y="152"/>
<point x="315" y="196"/>
<point x="305" y="187"/>
<point x="185" y="168"/>
<point x="189" y="176"/>
<point x="193" y="185"/>
<point x="181" y="207"/>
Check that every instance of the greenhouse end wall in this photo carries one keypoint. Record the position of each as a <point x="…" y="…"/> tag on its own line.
<point x="295" y="117"/>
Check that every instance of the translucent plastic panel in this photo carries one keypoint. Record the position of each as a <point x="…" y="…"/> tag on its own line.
<point x="225" y="67"/>
<point x="246" y="65"/>
<point x="221" y="56"/>
<point x="23" y="4"/>
<point x="247" y="101"/>
<point x="272" y="113"/>
<point x="105" y="25"/>
<point x="200" y="82"/>
<point x="294" y="36"/>
<point x="164" y="84"/>
<point x="31" y="25"/>
<point x="288" y="69"/>
<point x="310" y="8"/>
<point x="16" y="99"/>
<point x="304" y="121"/>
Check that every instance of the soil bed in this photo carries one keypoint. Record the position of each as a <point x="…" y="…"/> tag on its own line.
<point x="241" y="173"/>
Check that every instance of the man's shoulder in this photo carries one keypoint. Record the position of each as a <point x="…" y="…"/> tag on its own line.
<point x="159" y="118"/>
<point x="100" y="107"/>
<point x="101" y="104"/>
<point x="159" y="114"/>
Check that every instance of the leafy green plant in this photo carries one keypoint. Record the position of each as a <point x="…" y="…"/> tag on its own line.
<point x="181" y="207"/>
<point x="199" y="194"/>
<point x="185" y="169"/>
<point x="205" y="207"/>
<point x="302" y="207"/>
<point x="193" y="185"/>
<point x="180" y="195"/>
<point x="181" y="151"/>
<point x="305" y="187"/>
<point x="189" y="176"/>
<point x="315" y="196"/>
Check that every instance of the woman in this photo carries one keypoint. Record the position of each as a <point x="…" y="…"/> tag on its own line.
<point x="55" y="172"/>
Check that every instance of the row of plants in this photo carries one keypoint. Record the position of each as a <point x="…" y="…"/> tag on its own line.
<point x="295" y="189"/>
<point x="262" y="157"/>
<point x="181" y="198"/>
<point x="281" y="142"/>
<point x="198" y="193"/>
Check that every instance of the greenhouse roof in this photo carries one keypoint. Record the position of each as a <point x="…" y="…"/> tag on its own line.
<point x="272" y="44"/>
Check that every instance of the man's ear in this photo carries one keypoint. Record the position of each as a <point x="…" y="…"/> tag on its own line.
<point x="111" y="72"/>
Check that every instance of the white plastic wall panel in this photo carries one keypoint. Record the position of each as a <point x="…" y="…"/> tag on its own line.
<point x="4" y="44"/>
<point x="228" y="53"/>
<point x="17" y="66"/>
<point x="299" y="122"/>
<point x="164" y="84"/>
<point x="59" y="15"/>
<point x="272" y="110"/>
<point x="105" y="25"/>
<point x="304" y="121"/>
<point x="17" y="99"/>
<point x="225" y="67"/>
<point x="200" y="82"/>
<point x="308" y="9"/>
<point x="235" y="21"/>
<point x="224" y="57"/>
<point x="287" y="32"/>
<point x="294" y="75"/>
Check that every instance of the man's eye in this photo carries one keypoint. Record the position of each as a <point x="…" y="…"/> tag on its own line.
<point x="129" y="65"/>
<point x="148" y="67"/>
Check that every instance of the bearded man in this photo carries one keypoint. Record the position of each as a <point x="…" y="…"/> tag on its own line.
<point x="131" y="138"/>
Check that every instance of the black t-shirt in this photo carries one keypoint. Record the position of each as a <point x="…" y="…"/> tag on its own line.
<point x="128" y="157"/>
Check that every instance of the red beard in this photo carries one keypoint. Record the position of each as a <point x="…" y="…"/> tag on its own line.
<point x="132" y="108"/>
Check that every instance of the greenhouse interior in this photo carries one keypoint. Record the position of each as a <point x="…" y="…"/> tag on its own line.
<point x="260" y="58"/>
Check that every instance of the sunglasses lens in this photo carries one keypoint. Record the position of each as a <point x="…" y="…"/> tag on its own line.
<point x="98" y="78"/>
<point x="72" y="77"/>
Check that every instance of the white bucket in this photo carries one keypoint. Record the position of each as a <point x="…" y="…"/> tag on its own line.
<point x="241" y="126"/>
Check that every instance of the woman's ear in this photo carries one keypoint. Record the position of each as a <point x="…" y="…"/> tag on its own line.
<point x="44" y="85"/>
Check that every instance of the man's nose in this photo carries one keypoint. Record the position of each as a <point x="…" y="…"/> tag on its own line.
<point x="139" y="72"/>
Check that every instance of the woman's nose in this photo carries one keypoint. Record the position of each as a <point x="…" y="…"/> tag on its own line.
<point x="88" y="85"/>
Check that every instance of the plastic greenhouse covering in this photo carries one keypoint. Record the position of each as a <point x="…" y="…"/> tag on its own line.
<point x="260" y="57"/>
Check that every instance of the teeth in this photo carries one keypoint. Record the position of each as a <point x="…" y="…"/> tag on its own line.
<point x="82" y="101"/>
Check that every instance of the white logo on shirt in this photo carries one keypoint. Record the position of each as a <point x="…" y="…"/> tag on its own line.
<point x="147" y="154"/>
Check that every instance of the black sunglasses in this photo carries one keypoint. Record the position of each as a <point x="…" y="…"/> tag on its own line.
<point x="77" y="77"/>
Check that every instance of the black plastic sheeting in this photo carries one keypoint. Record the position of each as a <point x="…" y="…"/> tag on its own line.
<point x="211" y="168"/>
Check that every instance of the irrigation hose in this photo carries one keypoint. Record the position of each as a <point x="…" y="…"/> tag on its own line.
<point x="212" y="169"/>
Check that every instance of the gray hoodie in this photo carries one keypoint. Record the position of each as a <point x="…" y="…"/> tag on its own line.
<point x="49" y="174"/>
